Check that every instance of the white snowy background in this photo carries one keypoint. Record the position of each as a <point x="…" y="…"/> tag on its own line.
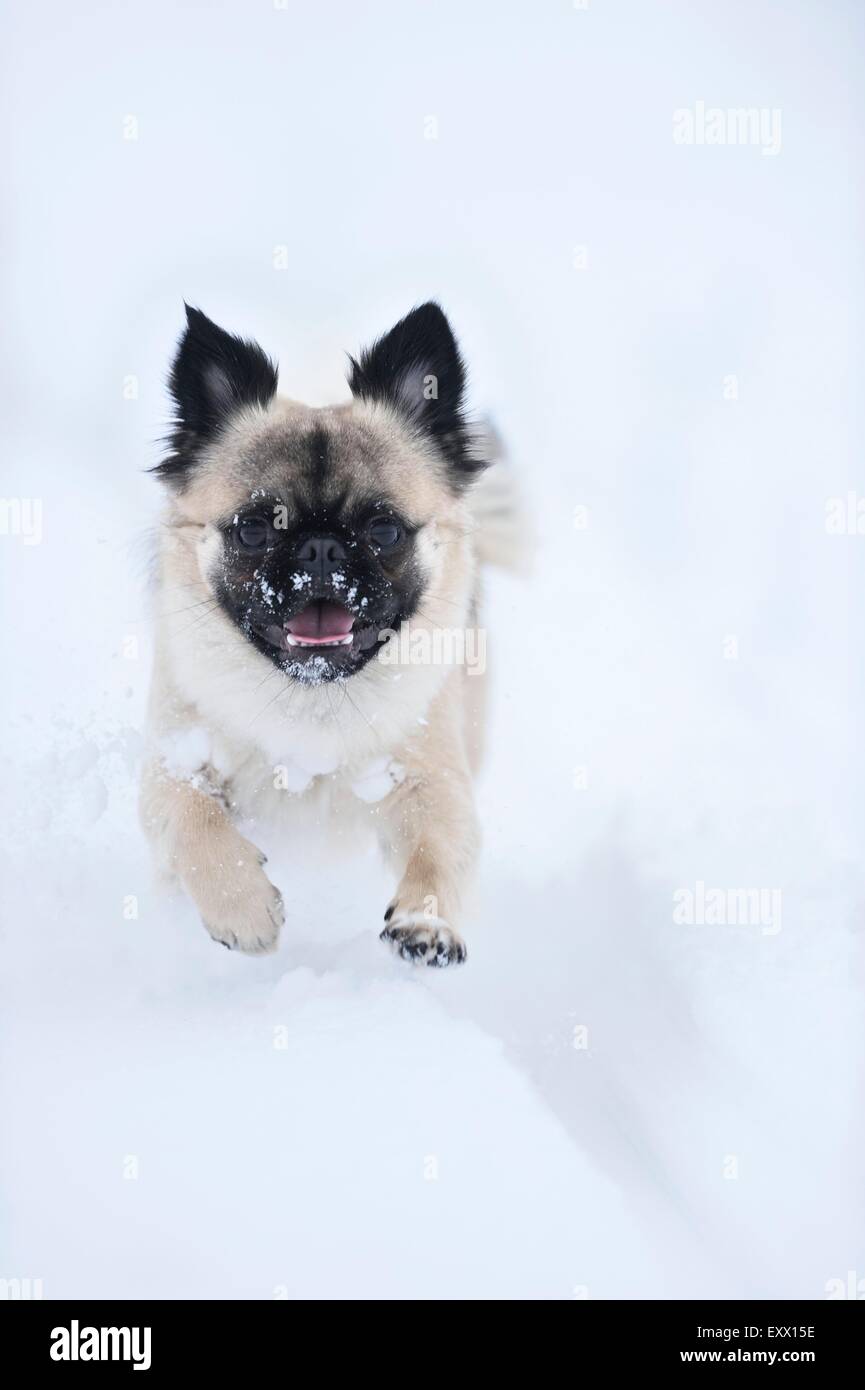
<point x="603" y="1103"/>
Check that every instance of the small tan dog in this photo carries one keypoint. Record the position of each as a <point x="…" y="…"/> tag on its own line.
<point x="311" y="561"/>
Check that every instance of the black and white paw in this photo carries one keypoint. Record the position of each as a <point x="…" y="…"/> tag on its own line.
<point x="423" y="940"/>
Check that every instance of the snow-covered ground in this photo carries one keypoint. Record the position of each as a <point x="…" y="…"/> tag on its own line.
<point x="606" y="1101"/>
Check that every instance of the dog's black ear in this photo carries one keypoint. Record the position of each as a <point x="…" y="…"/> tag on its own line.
<point x="213" y="374"/>
<point x="418" y="369"/>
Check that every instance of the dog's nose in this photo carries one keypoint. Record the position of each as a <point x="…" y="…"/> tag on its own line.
<point x="321" y="556"/>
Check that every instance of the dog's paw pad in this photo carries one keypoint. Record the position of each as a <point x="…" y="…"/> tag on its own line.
<point x="423" y="941"/>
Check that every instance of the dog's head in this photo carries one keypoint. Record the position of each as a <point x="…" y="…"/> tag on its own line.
<point x="320" y="530"/>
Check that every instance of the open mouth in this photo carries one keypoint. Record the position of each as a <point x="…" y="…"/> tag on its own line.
<point x="321" y="624"/>
<point x="324" y="636"/>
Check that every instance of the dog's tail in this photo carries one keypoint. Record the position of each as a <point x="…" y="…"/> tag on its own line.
<point x="503" y="535"/>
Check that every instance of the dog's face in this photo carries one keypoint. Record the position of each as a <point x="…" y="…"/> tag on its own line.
<point x="321" y="531"/>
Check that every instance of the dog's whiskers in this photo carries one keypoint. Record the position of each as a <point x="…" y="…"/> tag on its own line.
<point x="175" y="612"/>
<point x="198" y="621"/>
<point x="355" y="706"/>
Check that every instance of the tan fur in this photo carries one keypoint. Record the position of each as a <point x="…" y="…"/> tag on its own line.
<point x="244" y="718"/>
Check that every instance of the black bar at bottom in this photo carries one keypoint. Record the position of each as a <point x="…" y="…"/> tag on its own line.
<point x="159" y="1339"/>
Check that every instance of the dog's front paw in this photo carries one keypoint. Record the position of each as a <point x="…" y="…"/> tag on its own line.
<point x="253" y="925"/>
<point x="423" y="940"/>
<point x="238" y="903"/>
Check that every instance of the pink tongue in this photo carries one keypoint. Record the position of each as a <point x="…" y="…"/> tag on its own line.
<point x="321" y="620"/>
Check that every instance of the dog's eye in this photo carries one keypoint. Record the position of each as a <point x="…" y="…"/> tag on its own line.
<point x="384" y="533"/>
<point x="252" y="532"/>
